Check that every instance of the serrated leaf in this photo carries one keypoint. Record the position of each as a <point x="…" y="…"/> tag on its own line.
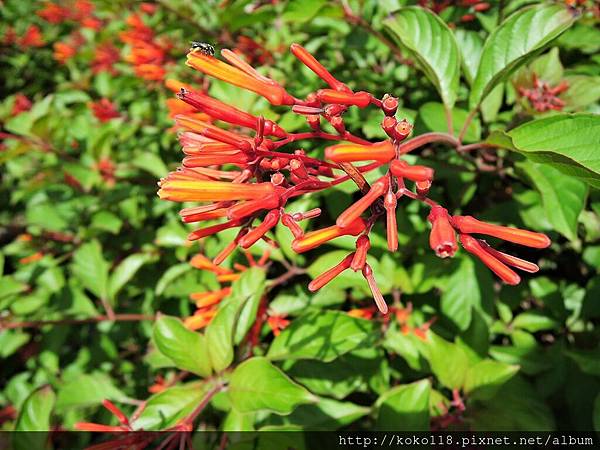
<point x="322" y="335"/>
<point x="186" y="348"/>
<point x="405" y="407"/>
<point x="514" y="42"/>
<point x="433" y="45"/>
<point x="256" y="385"/>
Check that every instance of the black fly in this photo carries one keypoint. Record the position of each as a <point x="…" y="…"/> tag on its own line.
<point x="203" y="48"/>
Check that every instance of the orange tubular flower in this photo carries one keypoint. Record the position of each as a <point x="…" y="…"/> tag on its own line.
<point x="271" y="219"/>
<point x="470" y="225"/>
<point x="360" y="99"/>
<point x="329" y="275"/>
<point x="105" y="57"/>
<point x="277" y="323"/>
<point x="211" y="66"/>
<point x="414" y="173"/>
<point x="309" y="61"/>
<point x="473" y="246"/>
<point x="377" y="296"/>
<point x="206" y="191"/>
<point x="315" y="238"/>
<point x="443" y="237"/>
<point x="380" y="151"/>
<point x="63" y="52"/>
<point x="378" y="188"/>
<point x="206" y="299"/>
<point x="363" y="244"/>
<point x="201" y="262"/>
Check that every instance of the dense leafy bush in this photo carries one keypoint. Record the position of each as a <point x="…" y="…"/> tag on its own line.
<point x="104" y="299"/>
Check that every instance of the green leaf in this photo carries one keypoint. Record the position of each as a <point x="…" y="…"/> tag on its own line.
<point x="302" y="10"/>
<point x="587" y="360"/>
<point x="433" y="116"/>
<point x="187" y="349"/>
<point x="514" y="42"/>
<point x="485" y="378"/>
<point x="596" y="418"/>
<point x="448" y="361"/>
<point x="467" y="288"/>
<point x="325" y="415"/>
<point x="11" y="341"/>
<point x="125" y="271"/>
<point x="405" y="407"/>
<point x="256" y="384"/>
<point x="583" y="90"/>
<point x="35" y="411"/>
<point x="165" y="409"/>
<point x="433" y="45"/>
<point x="322" y="335"/>
<point x="170" y="275"/>
<point x="470" y="44"/>
<point x="151" y="163"/>
<point x="563" y="197"/>
<point x="90" y="267"/>
<point x="87" y="390"/>
<point x="548" y="67"/>
<point x="534" y="321"/>
<point x="234" y="318"/>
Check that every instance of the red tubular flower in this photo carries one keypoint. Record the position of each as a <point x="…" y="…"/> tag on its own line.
<point x="442" y="238"/>
<point x="227" y="113"/>
<point x="289" y="222"/>
<point x="473" y="246"/>
<point x="329" y="275"/>
<point x="271" y="219"/>
<point x="360" y="99"/>
<point x="214" y="133"/>
<point x="309" y="61"/>
<point x="63" y="51"/>
<point x="116" y="412"/>
<point x="470" y="225"/>
<point x="209" y="231"/>
<point x="389" y="105"/>
<point x="277" y="323"/>
<point x="21" y="104"/>
<point x="105" y="57"/>
<point x="389" y="203"/>
<point x="32" y="37"/>
<point x="53" y="13"/>
<point x="245" y="209"/>
<point x="381" y="152"/>
<point x="379" y="300"/>
<point x="414" y="173"/>
<point x="201" y="191"/>
<point x="104" y="110"/>
<point x="211" y="66"/>
<point x="378" y="188"/>
<point x="509" y="259"/>
<point x="363" y="244"/>
<point x="315" y="238"/>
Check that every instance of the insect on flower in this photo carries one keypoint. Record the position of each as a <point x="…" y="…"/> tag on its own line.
<point x="203" y="47"/>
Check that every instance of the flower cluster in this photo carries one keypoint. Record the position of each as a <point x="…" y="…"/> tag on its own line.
<point x="148" y="54"/>
<point x="245" y="182"/>
<point x="542" y="97"/>
<point x="79" y="11"/>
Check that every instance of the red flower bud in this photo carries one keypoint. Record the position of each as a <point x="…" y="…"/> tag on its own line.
<point x="442" y="239"/>
<point x="379" y="300"/>
<point x="315" y="238"/>
<point x="389" y="105"/>
<point x="363" y="244"/>
<point x="309" y="61"/>
<point x="354" y="211"/>
<point x="473" y="246"/>
<point x="329" y="275"/>
<point x="360" y="99"/>
<point x="400" y="168"/>
<point x="289" y="222"/>
<point x="271" y="219"/>
<point x="470" y="225"/>
<point x="389" y="203"/>
<point x="380" y="151"/>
